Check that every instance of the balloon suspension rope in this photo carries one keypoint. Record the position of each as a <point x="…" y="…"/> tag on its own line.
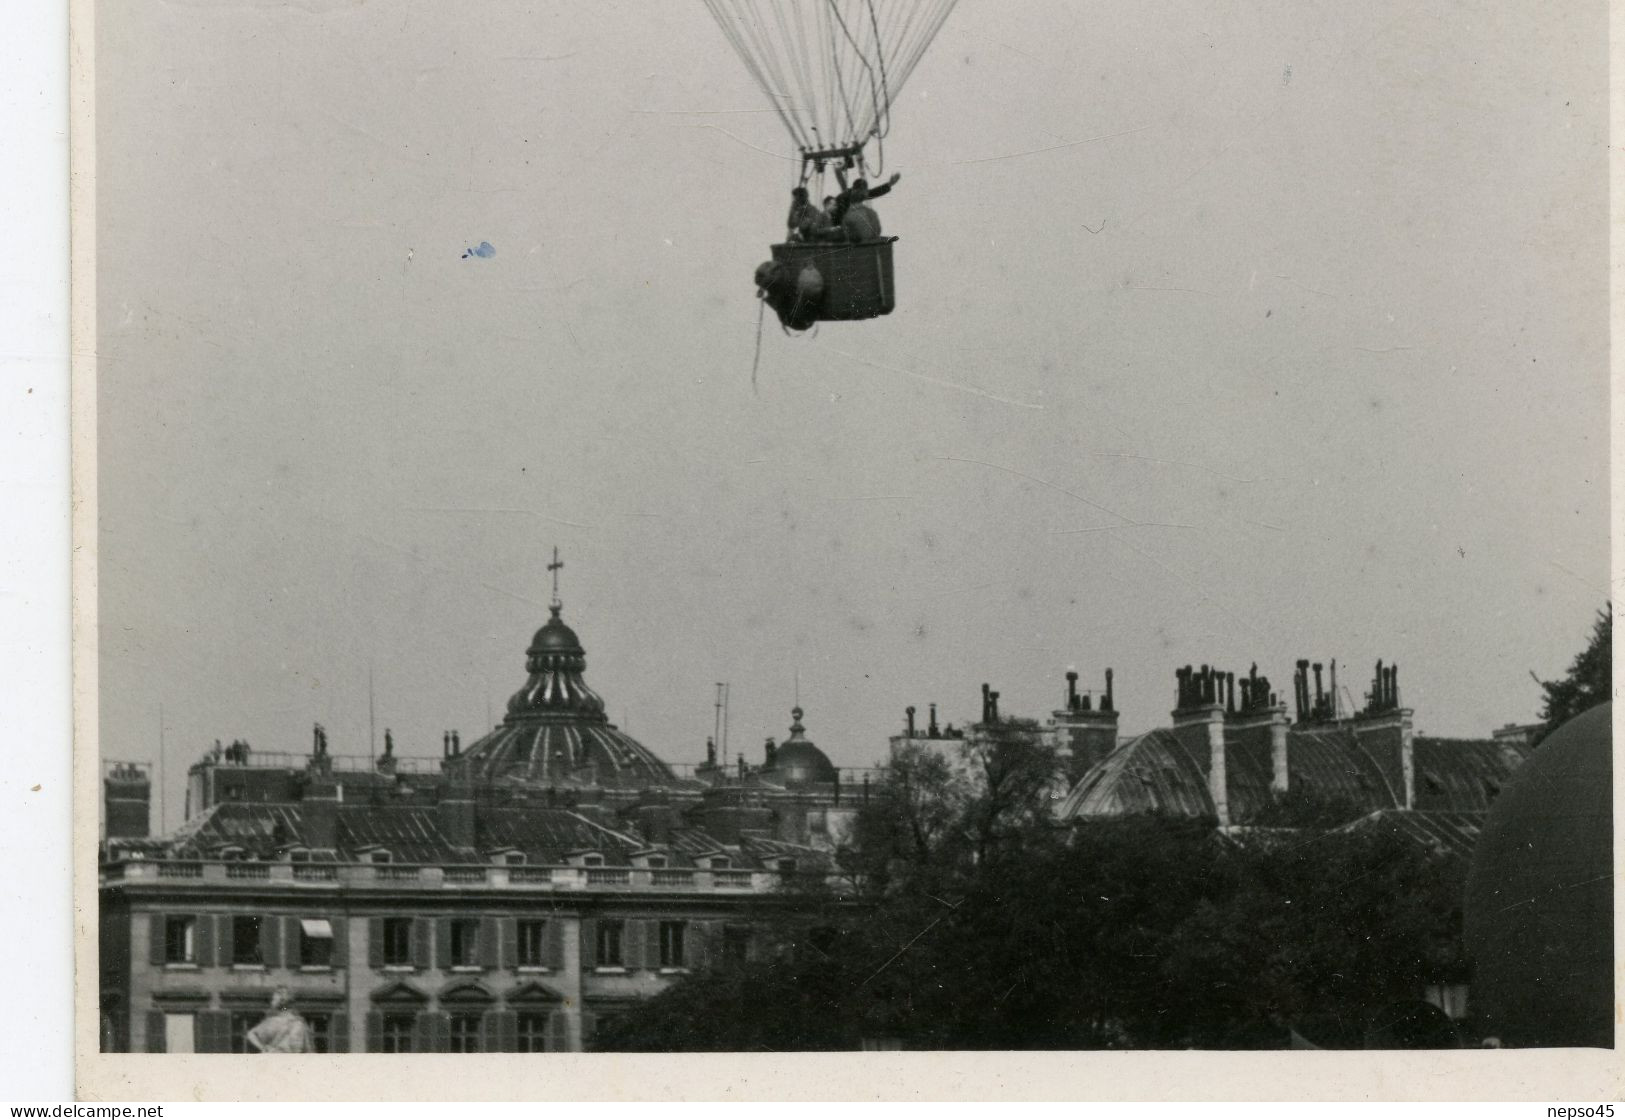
<point x="761" y="307"/>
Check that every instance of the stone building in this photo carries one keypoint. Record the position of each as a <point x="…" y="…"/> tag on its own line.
<point x="509" y="896"/>
<point x="1232" y="749"/>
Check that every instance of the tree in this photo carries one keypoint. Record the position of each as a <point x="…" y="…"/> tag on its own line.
<point x="1590" y="679"/>
<point x="982" y="923"/>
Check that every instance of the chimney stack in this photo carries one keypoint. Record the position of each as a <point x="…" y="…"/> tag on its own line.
<point x="1300" y="690"/>
<point x="1085" y="734"/>
<point x="319" y="814"/>
<point x="931" y="728"/>
<point x="456" y="744"/>
<point x="910" y="711"/>
<point x="1199" y="725"/>
<point x="454" y="813"/>
<point x="128" y="802"/>
<point x="771" y="749"/>
<point x="1106" y="705"/>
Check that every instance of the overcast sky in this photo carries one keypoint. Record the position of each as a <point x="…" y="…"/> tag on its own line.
<point x="1225" y="333"/>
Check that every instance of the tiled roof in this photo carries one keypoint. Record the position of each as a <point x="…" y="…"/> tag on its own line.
<point x="412" y="835"/>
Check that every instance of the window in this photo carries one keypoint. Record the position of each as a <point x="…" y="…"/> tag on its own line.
<point x="245" y="941"/>
<point x="609" y="943"/>
<point x="395" y="1032"/>
<point x="657" y="861"/>
<point x="592" y="861"/>
<point x="380" y="857"/>
<point x="464" y="950"/>
<point x="465" y="1033"/>
<point x="735" y="944"/>
<point x="180" y="939"/>
<point x="315" y="943"/>
<point x="180" y="1033"/>
<point x="514" y="859"/>
<point x="721" y="863"/>
<point x="241" y="1023"/>
<point x="397" y="943"/>
<point x="671" y="944"/>
<point x="532" y="1032"/>
<point x="532" y="943"/>
<point x="299" y="855"/>
<point x="321" y="1031"/>
<point x="787" y="866"/>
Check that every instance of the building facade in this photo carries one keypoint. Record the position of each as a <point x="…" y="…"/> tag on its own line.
<point x="511" y="896"/>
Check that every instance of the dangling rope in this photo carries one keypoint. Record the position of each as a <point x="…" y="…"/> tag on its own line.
<point x="761" y="309"/>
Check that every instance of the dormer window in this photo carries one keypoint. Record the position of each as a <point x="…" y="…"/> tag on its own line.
<point x="787" y="866"/>
<point x="232" y="853"/>
<point x="513" y="859"/>
<point x="657" y="861"/>
<point x="380" y="856"/>
<point x="298" y="855"/>
<point x="592" y="860"/>
<point x="721" y="863"/>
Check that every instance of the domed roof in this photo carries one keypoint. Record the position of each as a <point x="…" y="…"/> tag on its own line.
<point x="555" y="732"/>
<point x="798" y="761"/>
<point x="1540" y="899"/>
<point x="556" y="637"/>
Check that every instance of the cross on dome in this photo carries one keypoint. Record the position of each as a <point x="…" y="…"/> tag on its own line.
<point x="554" y="568"/>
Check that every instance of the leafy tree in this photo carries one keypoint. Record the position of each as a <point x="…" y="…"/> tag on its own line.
<point x="1590" y="679"/>
<point x="975" y="921"/>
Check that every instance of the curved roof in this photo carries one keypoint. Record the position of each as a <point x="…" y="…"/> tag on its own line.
<point x="798" y="761"/>
<point x="1150" y="773"/>
<point x="1157" y="772"/>
<point x="555" y="732"/>
<point x="1540" y="898"/>
<point x="1465" y="774"/>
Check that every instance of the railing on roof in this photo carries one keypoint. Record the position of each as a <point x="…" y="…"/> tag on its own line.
<point x="851" y="777"/>
<point x="400" y="876"/>
<point x="344" y="763"/>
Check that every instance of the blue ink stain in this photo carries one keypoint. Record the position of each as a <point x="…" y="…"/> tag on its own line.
<point x="484" y="250"/>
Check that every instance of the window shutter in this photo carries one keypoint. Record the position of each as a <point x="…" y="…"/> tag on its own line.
<point x="375" y="942"/>
<point x="651" y="945"/>
<point x="271" y="940"/>
<point x="155" y="935"/>
<point x="214" y="1032"/>
<point x="433" y="1032"/>
<point x="156" y="1031"/>
<point x="509" y="933"/>
<point x="553" y="940"/>
<point x="631" y="945"/>
<point x="490" y="947"/>
<point x="442" y="944"/>
<point x="558" y="1033"/>
<point x="222" y="940"/>
<point x="375" y="1031"/>
<point x="338" y="1033"/>
<point x="702" y="937"/>
<point x="501" y="1032"/>
<point x="589" y="943"/>
<point x="341" y="942"/>
<point x="420" y="942"/>
<point x="203" y="941"/>
<point x="589" y="1027"/>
